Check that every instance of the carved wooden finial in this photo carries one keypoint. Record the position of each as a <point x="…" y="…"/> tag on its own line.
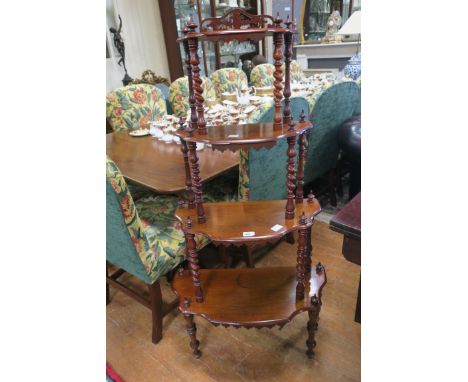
<point x="314" y="300"/>
<point x="181" y="270"/>
<point x="310" y="197"/>
<point x="292" y="123"/>
<point x="288" y="22"/>
<point x="192" y="25"/>
<point x="186" y="302"/>
<point x="277" y="20"/>
<point x="303" y="219"/>
<point x="302" y="116"/>
<point x="185" y="29"/>
<point x="319" y="268"/>
<point x="188" y="223"/>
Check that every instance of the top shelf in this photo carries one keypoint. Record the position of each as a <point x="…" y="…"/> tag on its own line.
<point x="250" y="135"/>
<point x="254" y="34"/>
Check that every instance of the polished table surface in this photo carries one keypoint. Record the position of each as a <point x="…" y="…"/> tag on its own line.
<point x="160" y="166"/>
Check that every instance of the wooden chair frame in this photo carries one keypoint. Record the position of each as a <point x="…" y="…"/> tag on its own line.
<point x="156" y="304"/>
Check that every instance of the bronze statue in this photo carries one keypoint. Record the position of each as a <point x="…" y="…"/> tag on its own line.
<point x="120" y="46"/>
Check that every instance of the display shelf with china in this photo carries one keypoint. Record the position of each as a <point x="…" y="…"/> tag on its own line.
<point x="249" y="297"/>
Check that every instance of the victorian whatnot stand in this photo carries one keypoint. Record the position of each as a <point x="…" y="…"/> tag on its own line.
<point x="248" y="297"/>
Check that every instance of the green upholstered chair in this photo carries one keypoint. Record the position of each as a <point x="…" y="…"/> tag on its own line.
<point x="262" y="75"/>
<point x="332" y="107"/>
<point x="144" y="239"/>
<point x="179" y="95"/>
<point x="133" y="106"/>
<point x="228" y="79"/>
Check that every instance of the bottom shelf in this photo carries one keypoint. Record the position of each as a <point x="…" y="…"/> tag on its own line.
<point x="249" y="297"/>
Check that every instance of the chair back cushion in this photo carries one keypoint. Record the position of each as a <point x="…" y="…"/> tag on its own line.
<point x="262" y="75"/>
<point x="333" y="106"/>
<point x="179" y="95"/>
<point x="262" y="173"/>
<point x="133" y="106"/>
<point x="296" y="71"/>
<point x="228" y="79"/>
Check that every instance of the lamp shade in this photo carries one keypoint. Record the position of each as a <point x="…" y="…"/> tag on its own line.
<point x="352" y="25"/>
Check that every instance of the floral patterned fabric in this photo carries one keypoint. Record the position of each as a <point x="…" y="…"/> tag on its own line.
<point x="179" y="95"/>
<point x="228" y="79"/>
<point x="262" y="75"/>
<point x="296" y="72"/>
<point x="154" y="231"/>
<point x="133" y="106"/>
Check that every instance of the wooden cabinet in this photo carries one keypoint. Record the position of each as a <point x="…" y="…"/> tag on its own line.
<point x="213" y="55"/>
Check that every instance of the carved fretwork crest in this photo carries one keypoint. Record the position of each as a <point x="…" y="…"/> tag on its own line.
<point x="236" y="18"/>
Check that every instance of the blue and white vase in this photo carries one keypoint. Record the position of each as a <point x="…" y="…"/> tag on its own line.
<point x="353" y="68"/>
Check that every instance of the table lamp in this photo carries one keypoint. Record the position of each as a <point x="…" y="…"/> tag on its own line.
<point x="353" y="26"/>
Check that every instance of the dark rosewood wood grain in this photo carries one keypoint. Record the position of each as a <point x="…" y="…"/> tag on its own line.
<point x="348" y="222"/>
<point x="291" y="176"/>
<point x="287" y="73"/>
<point x="236" y="18"/>
<point x="196" y="181"/>
<point x="188" y="176"/>
<point x="227" y="221"/>
<point x="278" y="76"/>
<point x="193" y="111"/>
<point x="249" y="297"/>
<point x="159" y="166"/>
<point x="251" y="135"/>
<point x="300" y="169"/>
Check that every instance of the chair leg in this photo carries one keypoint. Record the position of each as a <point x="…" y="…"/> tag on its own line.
<point x="312" y="327"/>
<point x="331" y="186"/>
<point x="156" y="311"/>
<point x="248" y="256"/>
<point x="225" y="256"/>
<point x="107" y="285"/>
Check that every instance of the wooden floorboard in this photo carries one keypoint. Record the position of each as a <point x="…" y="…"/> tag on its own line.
<point x="230" y="354"/>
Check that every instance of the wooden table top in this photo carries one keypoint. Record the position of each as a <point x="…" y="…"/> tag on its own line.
<point x="159" y="166"/>
<point x="348" y="220"/>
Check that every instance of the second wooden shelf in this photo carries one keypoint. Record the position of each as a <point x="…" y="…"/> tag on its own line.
<point x="230" y="222"/>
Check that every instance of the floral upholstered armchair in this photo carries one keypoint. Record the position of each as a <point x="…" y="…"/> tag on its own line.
<point x="133" y="106"/>
<point x="296" y="72"/>
<point x="228" y="79"/>
<point x="179" y="95"/>
<point x="143" y="238"/>
<point x="262" y="75"/>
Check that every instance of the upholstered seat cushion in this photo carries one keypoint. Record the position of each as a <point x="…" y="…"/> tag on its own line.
<point x="228" y="80"/>
<point x="149" y="241"/>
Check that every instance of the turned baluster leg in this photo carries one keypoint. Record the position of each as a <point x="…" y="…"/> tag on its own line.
<point x="196" y="182"/>
<point x="188" y="177"/>
<point x="300" y="170"/>
<point x="278" y="75"/>
<point x="312" y="326"/>
<point x="308" y="264"/>
<point x="287" y="72"/>
<point x="301" y="257"/>
<point x="193" y="115"/>
<point x="192" y="332"/>
<point x="192" y="258"/>
<point x="196" y="79"/>
<point x="291" y="177"/>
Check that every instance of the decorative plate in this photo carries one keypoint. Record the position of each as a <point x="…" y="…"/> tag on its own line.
<point x="139" y="132"/>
